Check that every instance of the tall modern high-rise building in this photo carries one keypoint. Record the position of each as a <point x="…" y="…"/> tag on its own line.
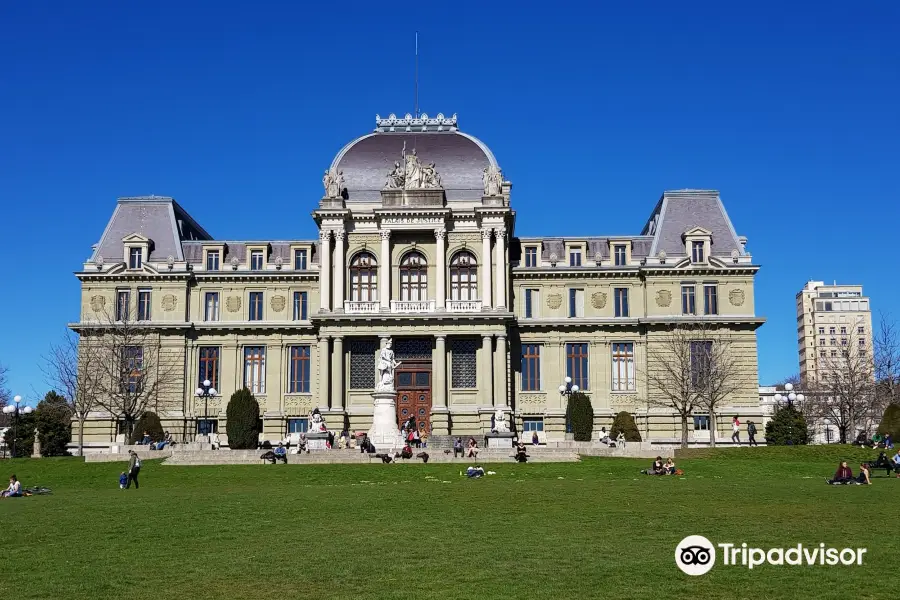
<point x="830" y="318"/>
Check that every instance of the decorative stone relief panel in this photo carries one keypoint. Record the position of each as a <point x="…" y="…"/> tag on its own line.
<point x="277" y="303"/>
<point x="554" y="301"/>
<point x="624" y="400"/>
<point x="98" y="303"/>
<point x="532" y="403"/>
<point x="663" y="298"/>
<point x="298" y="405"/>
<point x="465" y="237"/>
<point x="736" y="297"/>
<point x="213" y="406"/>
<point x="233" y="303"/>
<point x="365" y="238"/>
<point x="598" y="300"/>
<point x="169" y="302"/>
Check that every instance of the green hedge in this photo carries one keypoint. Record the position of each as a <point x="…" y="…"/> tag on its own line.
<point x="243" y="421"/>
<point x="150" y="423"/>
<point x="580" y="415"/>
<point x="624" y="423"/>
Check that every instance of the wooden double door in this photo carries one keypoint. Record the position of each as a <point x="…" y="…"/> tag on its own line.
<point x="414" y="395"/>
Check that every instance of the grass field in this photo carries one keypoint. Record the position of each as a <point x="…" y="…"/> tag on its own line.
<point x="595" y="529"/>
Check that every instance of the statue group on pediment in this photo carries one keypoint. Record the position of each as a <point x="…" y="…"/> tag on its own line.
<point x="411" y="174"/>
<point x="333" y="180"/>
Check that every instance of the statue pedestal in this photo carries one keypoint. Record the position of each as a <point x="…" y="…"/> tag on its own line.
<point x="384" y="433"/>
<point x="316" y="441"/>
<point x="500" y="440"/>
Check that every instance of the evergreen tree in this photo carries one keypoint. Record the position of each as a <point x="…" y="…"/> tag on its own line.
<point x="890" y="422"/>
<point x="580" y="415"/>
<point x="624" y="423"/>
<point x="23" y="427"/>
<point x="787" y="427"/>
<point x="149" y="422"/>
<point x="54" y="424"/>
<point x="242" y="425"/>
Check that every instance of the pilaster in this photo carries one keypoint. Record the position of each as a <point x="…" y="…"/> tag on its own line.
<point x="486" y="268"/>
<point x="440" y="416"/>
<point x="501" y="397"/>
<point x="337" y="374"/>
<point x="322" y="391"/>
<point x="384" y="271"/>
<point x="501" y="267"/>
<point x="487" y="383"/>
<point x="325" y="270"/>
<point x="441" y="266"/>
<point x="339" y="255"/>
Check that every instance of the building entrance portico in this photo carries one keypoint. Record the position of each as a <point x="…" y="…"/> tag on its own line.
<point x="414" y="396"/>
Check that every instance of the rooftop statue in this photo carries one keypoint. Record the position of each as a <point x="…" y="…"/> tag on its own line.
<point x="411" y="174"/>
<point x="333" y="180"/>
<point x="492" y="179"/>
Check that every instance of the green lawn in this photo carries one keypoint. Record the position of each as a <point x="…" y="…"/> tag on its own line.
<point x="596" y="529"/>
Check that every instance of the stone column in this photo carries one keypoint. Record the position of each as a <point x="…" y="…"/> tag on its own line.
<point x="322" y="400"/>
<point x="325" y="270"/>
<point x="337" y="374"/>
<point x="439" y="371"/>
<point x="339" y="270"/>
<point x="486" y="268"/>
<point x="501" y="268"/>
<point x="487" y="369"/>
<point x="384" y="271"/>
<point x="441" y="266"/>
<point x="500" y="372"/>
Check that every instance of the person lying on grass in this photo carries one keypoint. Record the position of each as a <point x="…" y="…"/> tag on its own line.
<point x="475" y="472"/>
<point x="842" y="476"/>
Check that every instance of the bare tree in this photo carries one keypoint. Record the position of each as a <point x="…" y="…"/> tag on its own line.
<point x="886" y="342"/>
<point x="716" y="372"/>
<point x="844" y="392"/>
<point x="69" y="368"/>
<point x="126" y="366"/>
<point x="4" y="392"/>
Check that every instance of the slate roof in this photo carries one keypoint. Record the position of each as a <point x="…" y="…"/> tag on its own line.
<point x="158" y="218"/>
<point x="460" y="160"/>
<point x="681" y="210"/>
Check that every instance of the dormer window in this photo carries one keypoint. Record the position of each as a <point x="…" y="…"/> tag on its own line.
<point x="575" y="256"/>
<point x="620" y="255"/>
<point x="697" y="252"/>
<point x="256" y="260"/>
<point x="135" y="258"/>
<point x="212" y="260"/>
<point x="300" y="259"/>
<point x="531" y="256"/>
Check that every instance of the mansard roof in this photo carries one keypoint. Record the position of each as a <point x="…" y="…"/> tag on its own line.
<point x="158" y="218"/>
<point x="459" y="158"/>
<point x="680" y="211"/>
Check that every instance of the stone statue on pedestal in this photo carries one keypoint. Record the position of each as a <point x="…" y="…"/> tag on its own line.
<point x="317" y="422"/>
<point x="386" y="367"/>
<point x="501" y="425"/>
<point x="492" y="179"/>
<point x="333" y="180"/>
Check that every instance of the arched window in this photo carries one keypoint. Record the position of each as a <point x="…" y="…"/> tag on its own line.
<point x="463" y="277"/>
<point x="413" y="277"/>
<point x="363" y="278"/>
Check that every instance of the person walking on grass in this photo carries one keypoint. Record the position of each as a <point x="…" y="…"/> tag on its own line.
<point x="751" y="433"/>
<point x="134" y="468"/>
<point x="736" y="430"/>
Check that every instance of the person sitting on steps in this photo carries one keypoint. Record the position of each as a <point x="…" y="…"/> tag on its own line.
<point x="406" y="452"/>
<point x="458" y="447"/>
<point x="520" y="456"/>
<point x="472" y="448"/>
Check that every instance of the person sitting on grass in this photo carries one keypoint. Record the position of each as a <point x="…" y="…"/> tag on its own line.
<point x="475" y="472"/>
<point x="280" y="453"/>
<point x="863" y="477"/>
<point x="14" y="490"/>
<point x="842" y="476"/>
<point x="669" y="466"/>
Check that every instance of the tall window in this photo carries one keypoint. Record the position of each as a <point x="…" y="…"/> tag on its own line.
<point x="300" y="306"/>
<point x="576" y="303"/>
<point x="821" y="331"/>
<point x="255" y="369"/>
<point x="575" y="256"/>
<point x="363" y="278"/>
<point x="843" y="331"/>
<point x="701" y="362"/>
<point x="413" y="277"/>
<point x="462" y="355"/>
<point x="860" y="330"/>
<point x="619" y="251"/>
<point x="300" y="259"/>
<point x="688" y="301"/>
<point x="832" y="330"/>
<point x="623" y="367"/>
<point x="299" y="381"/>
<point x="143" y="305"/>
<point x="531" y="367"/>
<point x="212" y="260"/>
<point x="697" y="252"/>
<point x="701" y="422"/>
<point x="209" y="366"/>
<point x="135" y="258"/>
<point x="710" y="300"/>
<point x="577" y="364"/>
<point x="531" y="256"/>
<point x="256" y="306"/>
<point x="621" y="297"/>
<point x="123" y="302"/>
<point x="211" y="306"/>
<point x="256" y="260"/>
<point x="463" y="277"/>
<point x="532" y="303"/>
<point x="133" y="366"/>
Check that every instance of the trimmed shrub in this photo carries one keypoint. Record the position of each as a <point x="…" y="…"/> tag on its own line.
<point x="243" y="421"/>
<point x="150" y="423"/>
<point x="788" y="427"/>
<point x="580" y="416"/>
<point x="624" y="423"/>
<point x="890" y="422"/>
<point x="54" y="425"/>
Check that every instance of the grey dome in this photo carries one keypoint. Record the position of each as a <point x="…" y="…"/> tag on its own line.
<point x="460" y="159"/>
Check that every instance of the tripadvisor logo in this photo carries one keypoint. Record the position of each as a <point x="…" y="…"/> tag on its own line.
<point x="696" y="555"/>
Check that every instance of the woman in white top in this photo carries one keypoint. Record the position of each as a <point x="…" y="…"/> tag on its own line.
<point x="14" y="490"/>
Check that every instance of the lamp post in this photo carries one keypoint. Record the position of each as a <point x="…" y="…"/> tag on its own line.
<point x="790" y="397"/>
<point x="206" y="391"/>
<point x="15" y="410"/>
<point x="566" y="389"/>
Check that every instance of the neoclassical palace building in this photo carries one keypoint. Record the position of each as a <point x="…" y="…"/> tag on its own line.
<point x="417" y="244"/>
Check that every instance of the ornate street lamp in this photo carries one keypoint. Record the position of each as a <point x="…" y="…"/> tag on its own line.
<point x="567" y="389"/>
<point x="15" y="410"/>
<point x="790" y="396"/>
<point x="206" y="391"/>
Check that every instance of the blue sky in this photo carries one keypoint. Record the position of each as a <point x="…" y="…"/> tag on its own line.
<point x="235" y="108"/>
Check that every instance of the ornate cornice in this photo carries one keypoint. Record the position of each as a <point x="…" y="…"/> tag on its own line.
<point x="411" y="123"/>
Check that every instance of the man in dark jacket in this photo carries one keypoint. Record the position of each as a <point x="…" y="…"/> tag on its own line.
<point x="751" y="432"/>
<point x="134" y="467"/>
